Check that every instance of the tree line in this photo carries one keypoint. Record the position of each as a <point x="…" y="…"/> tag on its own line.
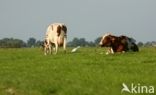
<point x="32" y="42"/>
<point x="18" y="43"/>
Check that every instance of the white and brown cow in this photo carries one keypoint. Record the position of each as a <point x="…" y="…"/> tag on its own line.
<point x="56" y="36"/>
<point x="118" y="44"/>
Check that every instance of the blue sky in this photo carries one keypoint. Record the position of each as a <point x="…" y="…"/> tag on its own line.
<point x="84" y="18"/>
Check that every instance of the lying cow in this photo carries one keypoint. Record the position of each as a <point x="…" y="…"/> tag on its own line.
<point x="118" y="44"/>
<point x="56" y="36"/>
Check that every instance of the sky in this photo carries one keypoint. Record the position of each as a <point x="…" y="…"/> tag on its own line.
<point x="87" y="19"/>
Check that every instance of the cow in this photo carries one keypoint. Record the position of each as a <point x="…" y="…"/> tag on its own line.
<point x="118" y="44"/>
<point x="56" y="35"/>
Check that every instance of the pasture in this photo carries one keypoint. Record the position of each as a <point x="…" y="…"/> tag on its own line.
<point x="87" y="72"/>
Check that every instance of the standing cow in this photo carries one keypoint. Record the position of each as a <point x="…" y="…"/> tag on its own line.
<point x="118" y="44"/>
<point x="56" y="36"/>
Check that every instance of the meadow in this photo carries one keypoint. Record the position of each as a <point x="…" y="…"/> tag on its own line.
<point x="89" y="71"/>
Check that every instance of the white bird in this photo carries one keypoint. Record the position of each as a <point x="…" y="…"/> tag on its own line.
<point x="125" y="88"/>
<point x="75" y="49"/>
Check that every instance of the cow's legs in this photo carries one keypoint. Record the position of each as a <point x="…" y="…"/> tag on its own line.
<point x="64" y="44"/>
<point x="56" y="45"/>
<point x="56" y="48"/>
<point x="111" y="50"/>
<point x="49" y="47"/>
<point x="45" y="51"/>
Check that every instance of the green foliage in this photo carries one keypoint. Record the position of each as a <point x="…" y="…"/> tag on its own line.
<point x="87" y="72"/>
<point x="97" y="40"/>
<point x="11" y="43"/>
<point x="140" y="44"/>
<point x="17" y="43"/>
<point x="80" y="42"/>
<point x="31" y="42"/>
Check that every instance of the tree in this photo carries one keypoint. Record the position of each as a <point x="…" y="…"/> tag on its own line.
<point x="31" y="42"/>
<point x="140" y="44"/>
<point x="77" y="42"/>
<point x="38" y="43"/>
<point x="82" y="42"/>
<point x="97" y="40"/>
<point x="91" y="44"/>
<point x="12" y="43"/>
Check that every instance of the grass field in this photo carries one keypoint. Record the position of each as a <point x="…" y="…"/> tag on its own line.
<point x="87" y="72"/>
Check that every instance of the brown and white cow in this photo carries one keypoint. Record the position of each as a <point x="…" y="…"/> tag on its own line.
<point x="56" y="36"/>
<point x="118" y="44"/>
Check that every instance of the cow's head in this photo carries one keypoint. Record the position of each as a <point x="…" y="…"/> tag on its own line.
<point x="106" y="40"/>
<point x="44" y="44"/>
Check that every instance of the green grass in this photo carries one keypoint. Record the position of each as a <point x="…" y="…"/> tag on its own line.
<point x="87" y="72"/>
